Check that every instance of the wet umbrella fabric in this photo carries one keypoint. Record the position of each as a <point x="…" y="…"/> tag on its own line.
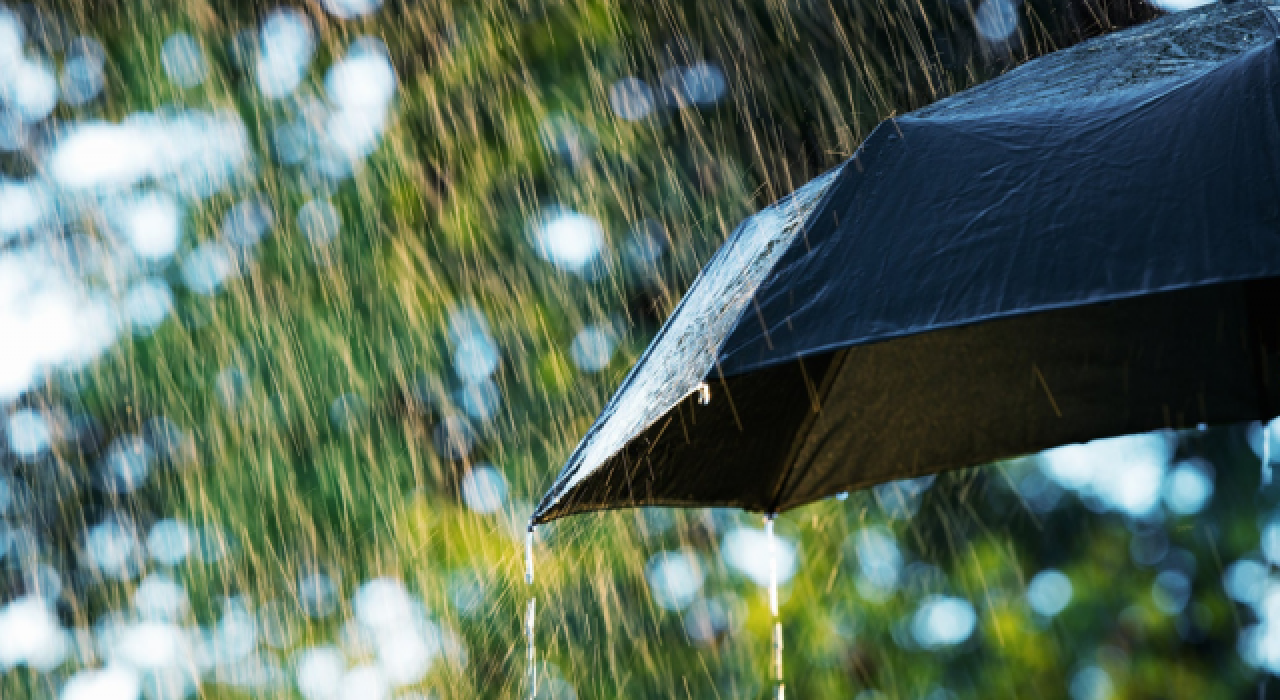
<point x="1084" y="247"/>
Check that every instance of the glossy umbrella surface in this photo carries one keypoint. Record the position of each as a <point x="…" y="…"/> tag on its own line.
<point x="1087" y="246"/>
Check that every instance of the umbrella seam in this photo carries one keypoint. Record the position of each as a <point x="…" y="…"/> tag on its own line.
<point x="996" y="316"/>
<point x="806" y="429"/>
<point x="1269" y="10"/>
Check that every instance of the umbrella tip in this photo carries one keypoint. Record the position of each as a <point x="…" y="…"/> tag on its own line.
<point x="704" y="393"/>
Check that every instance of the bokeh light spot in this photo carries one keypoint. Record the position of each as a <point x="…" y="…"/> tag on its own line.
<point x="675" y="577"/>
<point x="1049" y="592"/>
<point x="996" y="20"/>
<point x="1188" y="487"/>
<point x="632" y="99"/>
<point x="29" y="434"/>
<point x="183" y="60"/>
<point x="569" y="240"/>
<point x="484" y="489"/>
<point x="592" y="348"/>
<point x="943" y="621"/>
<point x="746" y="550"/>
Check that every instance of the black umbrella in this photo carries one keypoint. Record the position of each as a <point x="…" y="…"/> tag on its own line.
<point x="1087" y="246"/>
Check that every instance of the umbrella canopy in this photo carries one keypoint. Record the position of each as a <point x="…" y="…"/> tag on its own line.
<point x="1087" y="246"/>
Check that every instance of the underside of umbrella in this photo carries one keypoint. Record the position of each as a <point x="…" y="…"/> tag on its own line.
<point x="1084" y="247"/>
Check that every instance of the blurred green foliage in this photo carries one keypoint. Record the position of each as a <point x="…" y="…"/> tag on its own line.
<point x="440" y="217"/>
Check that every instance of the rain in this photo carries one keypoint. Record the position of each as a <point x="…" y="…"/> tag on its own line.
<point x="304" y="305"/>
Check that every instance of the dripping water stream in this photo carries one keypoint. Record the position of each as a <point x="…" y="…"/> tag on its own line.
<point x="1265" y="481"/>
<point x="529" y="616"/>
<point x="780" y="688"/>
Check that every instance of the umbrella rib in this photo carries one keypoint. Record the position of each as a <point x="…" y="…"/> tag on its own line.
<point x="724" y="386"/>
<point x="1045" y="385"/>
<point x="806" y="427"/>
<point x="1269" y="11"/>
